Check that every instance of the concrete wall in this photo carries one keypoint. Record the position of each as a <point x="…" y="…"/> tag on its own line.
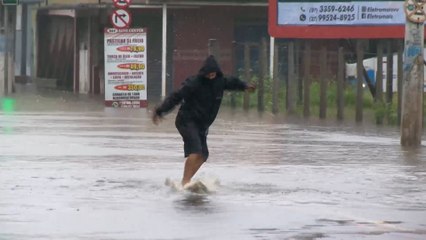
<point x="194" y="27"/>
<point x="189" y="30"/>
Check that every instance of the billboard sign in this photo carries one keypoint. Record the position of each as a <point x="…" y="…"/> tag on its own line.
<point x="125" y="67"/>
<point x="336" y="18"/>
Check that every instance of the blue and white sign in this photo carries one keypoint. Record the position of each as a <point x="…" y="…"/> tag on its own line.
<point x="341" y="13"/>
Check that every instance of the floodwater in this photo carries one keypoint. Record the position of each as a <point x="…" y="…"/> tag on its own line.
<point x="100" y="175"/>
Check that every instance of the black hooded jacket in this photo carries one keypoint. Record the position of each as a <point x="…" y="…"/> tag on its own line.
<point x="200" y="97"/>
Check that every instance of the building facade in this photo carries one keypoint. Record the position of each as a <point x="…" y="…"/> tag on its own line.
<point x="70" y="39"/>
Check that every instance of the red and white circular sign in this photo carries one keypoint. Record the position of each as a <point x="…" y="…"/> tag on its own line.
<point x="121" y="18"/>
<point x="122" y="3"/>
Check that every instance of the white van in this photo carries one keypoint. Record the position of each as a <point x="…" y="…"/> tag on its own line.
<point x="370" y="65"/>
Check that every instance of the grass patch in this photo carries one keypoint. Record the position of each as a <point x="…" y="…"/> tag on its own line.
<point x="377" y="112"/>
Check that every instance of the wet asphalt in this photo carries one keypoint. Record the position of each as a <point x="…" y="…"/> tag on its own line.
<point x="99" y="174"/>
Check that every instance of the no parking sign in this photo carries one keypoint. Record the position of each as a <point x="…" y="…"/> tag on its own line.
<point x="121" y="18"/>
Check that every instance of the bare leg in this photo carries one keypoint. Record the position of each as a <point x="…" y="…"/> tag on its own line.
<point x="192" y="164"/>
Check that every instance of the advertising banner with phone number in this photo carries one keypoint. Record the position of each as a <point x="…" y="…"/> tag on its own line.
<point x="125" y="68"/>
<point x="341" y="12"/>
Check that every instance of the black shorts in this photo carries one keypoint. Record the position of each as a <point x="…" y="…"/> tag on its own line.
<point x="194" y="138"/>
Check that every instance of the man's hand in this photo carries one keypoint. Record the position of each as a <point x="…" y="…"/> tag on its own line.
<point x="250" y="88"/>
<point x="156" y="119"/>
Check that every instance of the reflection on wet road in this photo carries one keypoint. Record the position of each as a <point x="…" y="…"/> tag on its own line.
<point x="100" y="175"/>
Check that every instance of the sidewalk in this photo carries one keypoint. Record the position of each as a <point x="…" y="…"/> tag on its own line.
<point x="28" y="98"/>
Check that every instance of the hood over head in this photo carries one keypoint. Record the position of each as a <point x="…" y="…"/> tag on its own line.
<point x="210" y="65"/>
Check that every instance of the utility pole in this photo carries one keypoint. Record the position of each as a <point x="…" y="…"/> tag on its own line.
<point x="412" y="92"/>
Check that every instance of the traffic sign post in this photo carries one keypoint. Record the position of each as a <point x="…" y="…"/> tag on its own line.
<point x="121" y="18"/>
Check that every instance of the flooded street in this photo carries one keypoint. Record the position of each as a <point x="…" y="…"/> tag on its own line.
<point x="100" y="175"/>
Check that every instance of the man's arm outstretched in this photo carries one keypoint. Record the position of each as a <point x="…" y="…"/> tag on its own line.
<point x="235" y="84"/>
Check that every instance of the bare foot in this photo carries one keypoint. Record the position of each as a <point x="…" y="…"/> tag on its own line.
<point x="184" y="182"/>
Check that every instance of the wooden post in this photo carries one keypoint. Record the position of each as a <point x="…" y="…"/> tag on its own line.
<point x="360" y="80"/>
<point x="291" y="80"/>
<point x="323" y="83"/>
<point x="76" y="78"/>
<point x="389" y="73"/>
<point x="247" y="75"/>
<point x="299" y="80"/>
<point x="400" y="77"/>
<point x="340" y="83"/>
<point x="23" y="45"/>
<point x="379" y="74"/>
<point x="378" y="98"/>
<point x="412" y="91"/>
<point x="263" y="76"/>
<point x="276" y="86"/>
<point x="307" y="79"/>
<point x="234" y="72"/>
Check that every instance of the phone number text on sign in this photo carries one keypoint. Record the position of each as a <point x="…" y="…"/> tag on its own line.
<point x="333" y="9"/>
<point x="340" y="13"/>
<point x="330" y="13"/>
<point x="333" y="17"/>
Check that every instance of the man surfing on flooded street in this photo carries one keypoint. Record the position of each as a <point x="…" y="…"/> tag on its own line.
<point x="200" y="98"/>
